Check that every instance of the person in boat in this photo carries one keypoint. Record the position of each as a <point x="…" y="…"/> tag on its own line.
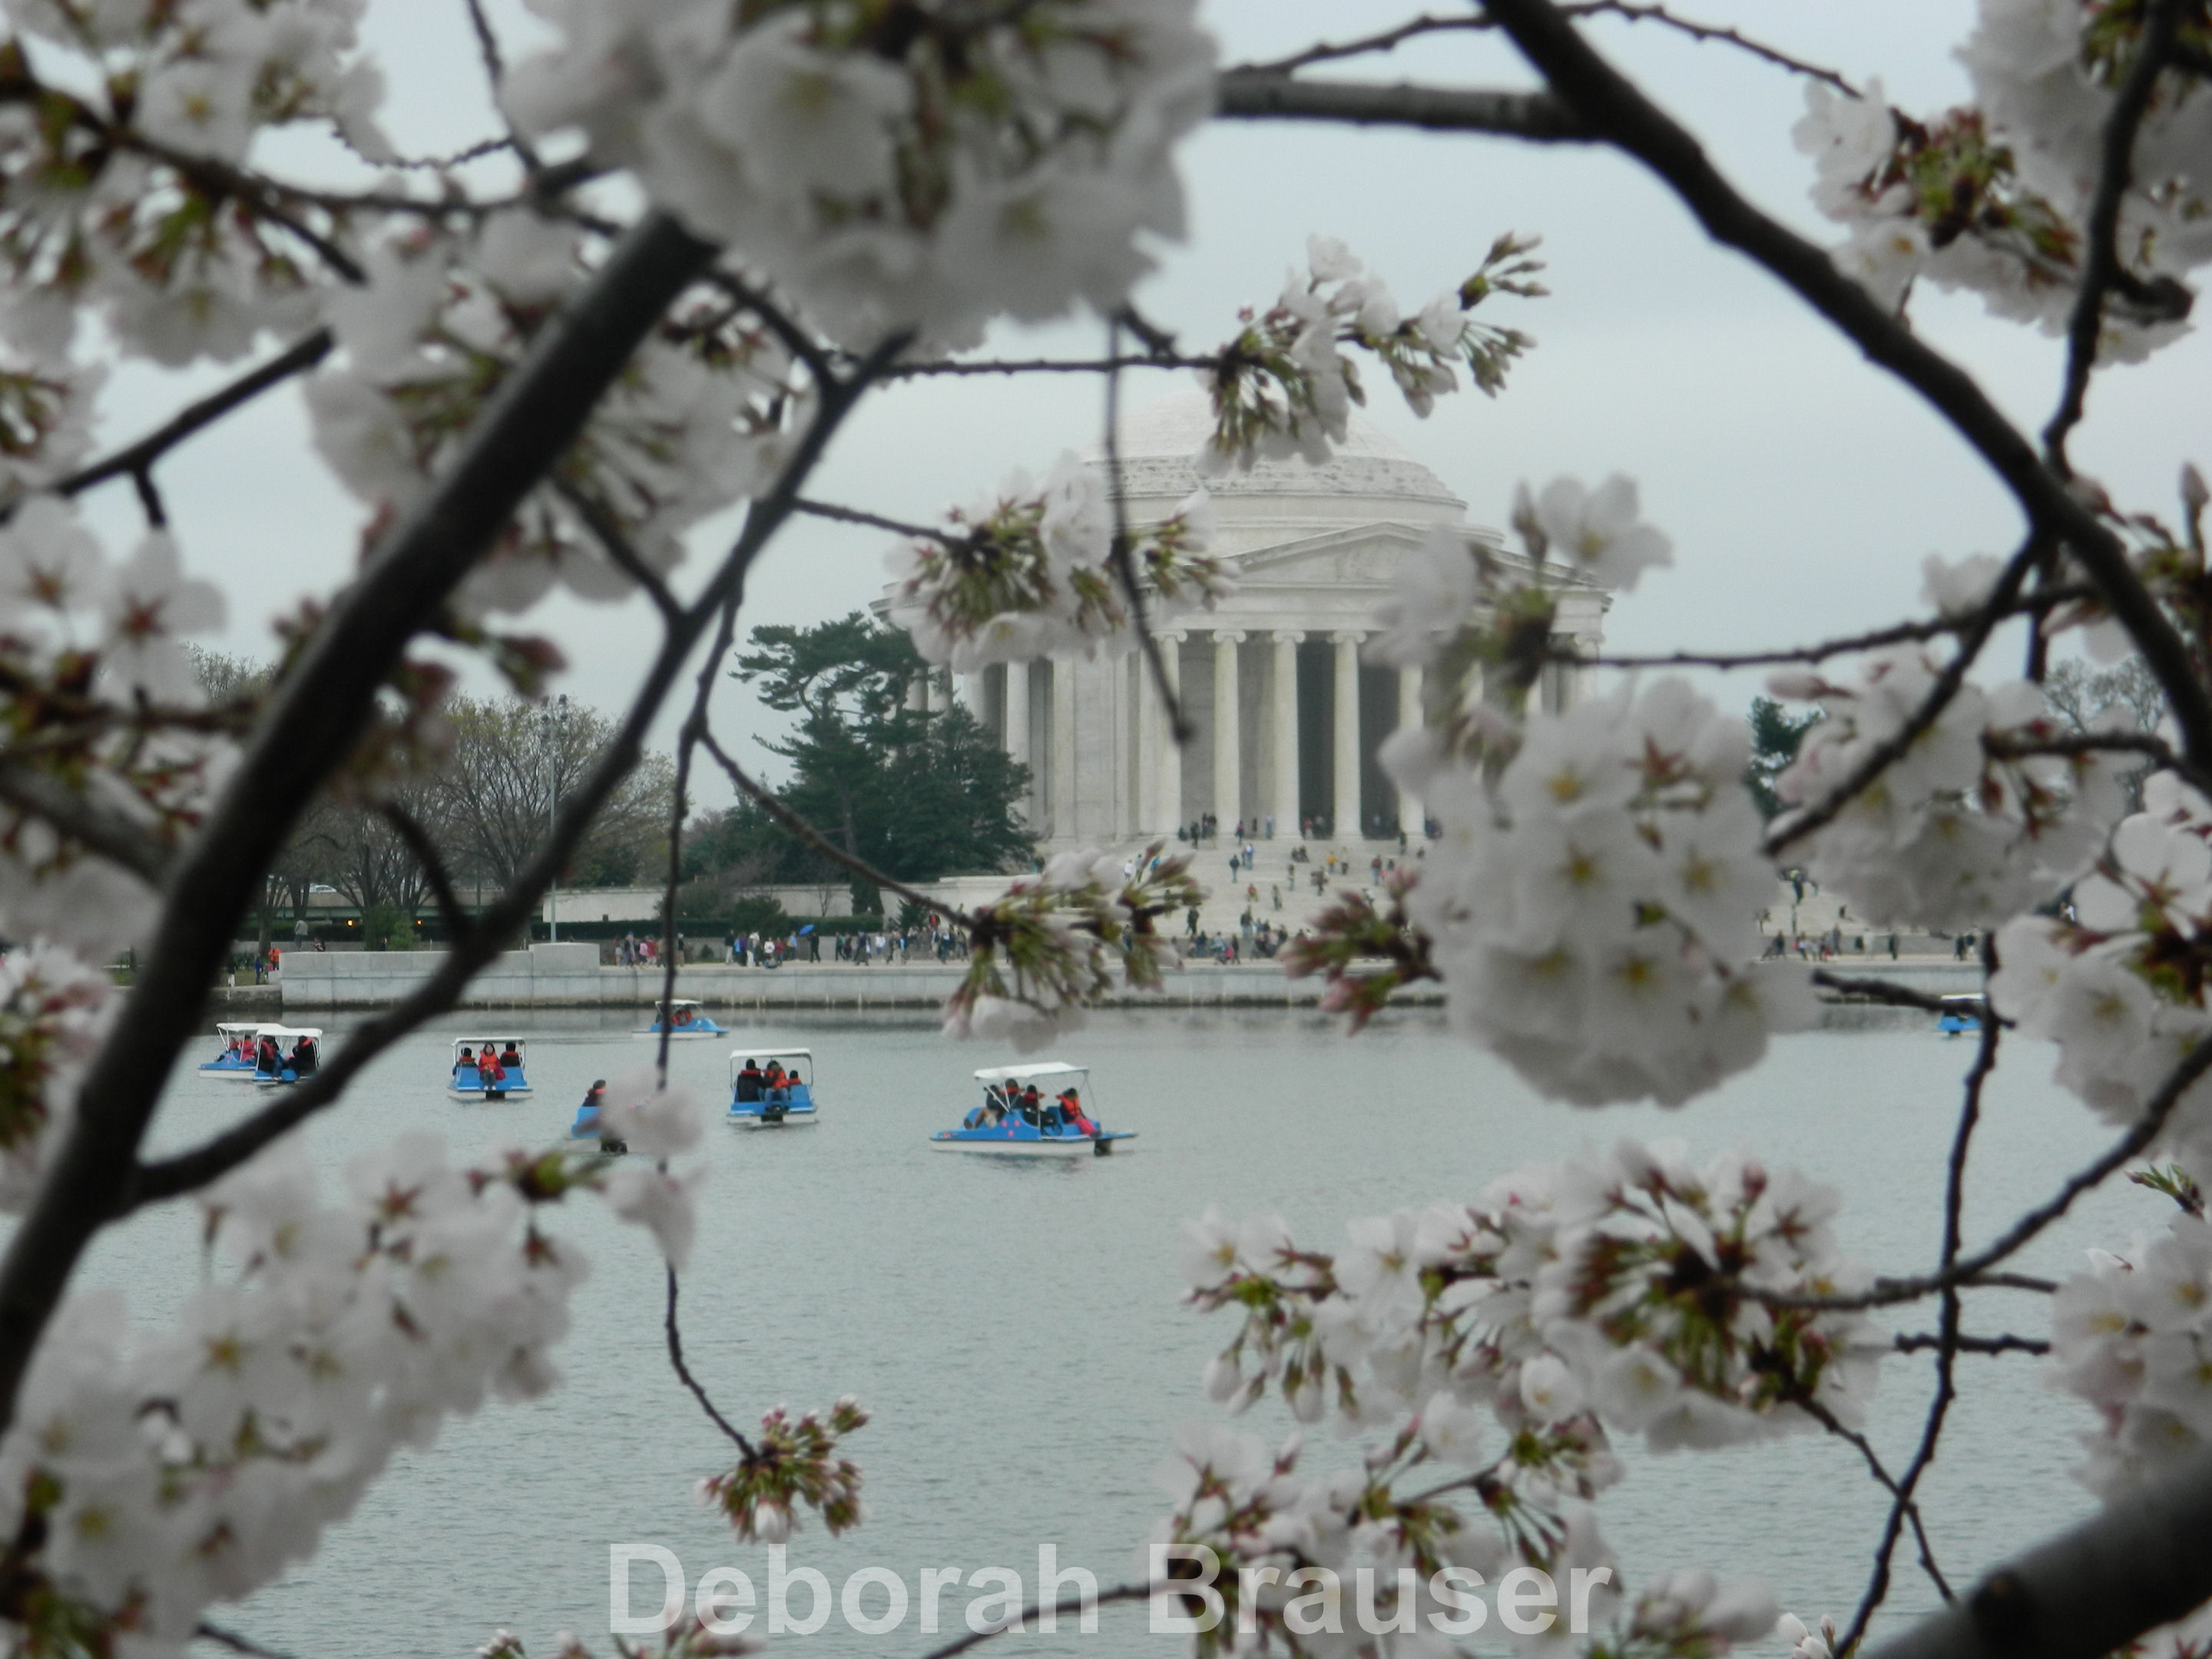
<point x="1071" y="1108"/>
<point x="591" y="1115"/>
<point x="775" y="1078"/>
<point x="749" y="1080"/>
<point x="975" y="1118"/>
<point x="1032" y="1105"/>
<point x="303" y="1059"/>
<point x="466" y="1062"/>
<point x="682" y="1016"/>
<point x="510" y="1058"/>
<point x="488" y="1068"/>
<point x="266" y="1057"/>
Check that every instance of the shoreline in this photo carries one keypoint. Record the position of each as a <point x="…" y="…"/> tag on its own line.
<point x="557" y="976"/>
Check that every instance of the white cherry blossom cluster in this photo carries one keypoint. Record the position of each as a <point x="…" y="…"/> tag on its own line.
<point x="793" y="1465"/>
<point x="1286" y="384"/>
<point x="163" y="1472"/>
<point x="1024" y="573"/>
<point x="1591" y="905"/>
<point x="2132" y="1337"/>
<point x="1306" y="1564"/>
<point x="1994" y="198"/>
<point x="1050" y="946"/>
<point x="1967" y="825"/>
<point x="2118" y="984"/>
<point x="102" y="697"/>
<point x="1627" y="1291"/>
<point x="697" y="420"/>
<point x="116" y="193"/>
<point x="54" y="1009"/>
<point x="895" y="165"/>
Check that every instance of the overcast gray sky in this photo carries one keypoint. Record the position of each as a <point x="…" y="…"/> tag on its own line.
<point x="1802" y="488"/>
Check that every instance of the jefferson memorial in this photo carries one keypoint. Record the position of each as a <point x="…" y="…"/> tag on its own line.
<point x="1287" y="716"/>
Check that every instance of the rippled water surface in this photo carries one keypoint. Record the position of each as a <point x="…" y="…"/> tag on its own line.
<point x="1016" y="1330"/>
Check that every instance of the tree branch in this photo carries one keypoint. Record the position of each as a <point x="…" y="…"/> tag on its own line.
<point x="1261" y="96"/>
<point x="1917" y="1340"/>
<point x="1974" y="1269"/>
<point x="759" y="791"/>
<point x="2035" y="603"/>
<point x="1115" y="1593"/>
<point x="135" y="458"/>
<point x="2101" y="264"/>
<point x="609" y="534"/>
<point x="683" y="1374"/>
<point x="2091" y="1589"/>
<point x="320" y="710"/>
<point x="1879" y="990"/>
<point x="189" y="1170"/>
<point x="425" y="850"/>
<point x="101" y="830"/>
<point x="1619" y="113"/>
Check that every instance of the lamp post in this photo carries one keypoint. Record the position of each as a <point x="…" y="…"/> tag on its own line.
<point x="554" y="726"/>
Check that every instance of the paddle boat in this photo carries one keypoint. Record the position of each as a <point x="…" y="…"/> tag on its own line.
<point x="1963" y="1012"/>
<point x="239" y="1043"/>
<point x="469" y="1081"/>
<point x="685" y="1019"/>
<point x="285" y="1054"/>
<point x="1006" y="1126"/>
<point x="587" y="1126"/>
<point x="758" y="1102"/>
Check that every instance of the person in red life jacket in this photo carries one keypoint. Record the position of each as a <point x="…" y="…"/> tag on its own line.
<point x="510" y="1058"/>
<point x="467" y="1061"/>
<point x="266" y="1059"/>
<point x="1071" y="1108"/>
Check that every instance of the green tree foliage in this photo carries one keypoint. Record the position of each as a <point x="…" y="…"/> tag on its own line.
<point x="917" y="793"/>
<point x="1775" y="734"/>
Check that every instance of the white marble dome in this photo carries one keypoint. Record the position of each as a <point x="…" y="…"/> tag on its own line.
<point x="1368" y="479"/>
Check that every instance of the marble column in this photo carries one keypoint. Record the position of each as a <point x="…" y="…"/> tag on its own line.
<point x="1344" y="818"/>
<point x="1228" y="732"/>
<point x="917" y="691"/>
<point x="1286" y="699"/>
<point x="1018" y="728"/>
<point x="1063" y="750"/>
<point x="1145" y="784"/>
<point x="1411" y="817"/>
<point x="1168" y="784"/>
<point x="968" y="692"/>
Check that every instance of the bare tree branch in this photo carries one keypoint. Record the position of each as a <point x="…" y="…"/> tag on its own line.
<point x="1879" y="990"/>
<point x="683" y="1375"/>
<point x="1249" y="94"/>
<point x="1915" y="1341"/>
<point x="1905" y="633"/>
<point x="136" y="458"/>
<point x="1390" y="39"/>
<point x="1023" y="1620"/>
<point x="411" y="830"/>
<point x="608" y="532"/>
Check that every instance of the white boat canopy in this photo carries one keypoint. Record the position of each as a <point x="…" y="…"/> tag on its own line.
<point x="686" y="1002"/>
<point x="1042" y="1068"/>
<point x="227" y="1027"/>
<point x="460" y="1043"/>
<point x="738" y="1055"/>
<point x="314" y="1031"/>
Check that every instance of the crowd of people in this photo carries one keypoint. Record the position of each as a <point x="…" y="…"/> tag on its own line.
<point x="1026" y="1104"/>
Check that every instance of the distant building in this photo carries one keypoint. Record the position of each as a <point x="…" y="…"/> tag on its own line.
<point x="1288" y="717"/>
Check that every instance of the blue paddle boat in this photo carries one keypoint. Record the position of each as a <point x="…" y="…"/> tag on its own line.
<point x="587" y="1125"/>
<point x="771" y="1088"/>
<point x="1961" y="1013"/>
<point x="490" y="1068"/>
<point x="684" y="1019"/>
<point x="1034" y="1111"/>
<point x="236" y="1060"/>
<point x="285" y="1054"/>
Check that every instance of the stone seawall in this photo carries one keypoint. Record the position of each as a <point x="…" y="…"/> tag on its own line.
<point x="571" y="977"/>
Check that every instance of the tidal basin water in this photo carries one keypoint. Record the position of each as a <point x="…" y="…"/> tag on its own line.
<point x="1016" y="1330"/>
